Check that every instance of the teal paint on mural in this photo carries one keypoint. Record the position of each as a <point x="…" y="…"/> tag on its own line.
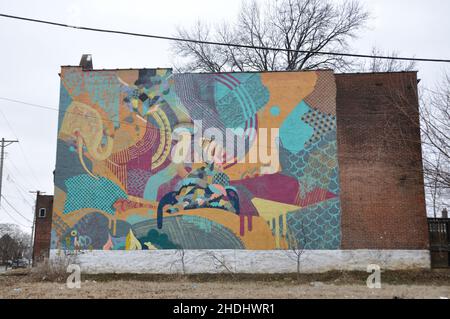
<point x="317" y="227"/>
<point x="151" y="188"/>
<point x="202" y="223"/>
<point x="97" y="84"/>
<point x="64" y="101"/>
<point x="84" y="191"/>
<point x="137" y="218"/>
<point x="237" y="103"/>
<point x="275" y="111"/>
<point x="294" y="133"/>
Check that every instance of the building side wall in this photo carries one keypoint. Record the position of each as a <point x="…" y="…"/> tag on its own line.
<point x="375" y="178"/>
<point x="380" y="160"/>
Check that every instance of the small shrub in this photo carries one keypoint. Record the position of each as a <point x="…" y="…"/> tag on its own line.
<point x="54" y="270"/>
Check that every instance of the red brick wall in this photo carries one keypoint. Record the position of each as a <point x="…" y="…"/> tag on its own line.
<point x="42" y="229"/>
<point x="380" y="162"/>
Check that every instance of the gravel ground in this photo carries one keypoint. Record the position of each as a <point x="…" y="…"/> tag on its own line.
<point x="23" y="287"/>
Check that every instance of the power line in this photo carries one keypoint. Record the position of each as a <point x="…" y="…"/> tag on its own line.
<point x="19" y="174"/>
<point x="21" y="149"/>
<point x="137" y="125"/>
<point x="68" y="112"/>
<point x="15" y="220"/>
<point x="30" y="104"/>
<point x="13" y="208"/>
<point x="244" y="46"/>
<point x="3" y="145"/>
<point x="20" y="188"/>
<point x="39" y="106"/>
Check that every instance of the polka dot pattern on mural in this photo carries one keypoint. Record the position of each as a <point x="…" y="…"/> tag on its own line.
<point x="321" y="123"/>
<point x="275" y="111"/>
<point x="85" y="191"/>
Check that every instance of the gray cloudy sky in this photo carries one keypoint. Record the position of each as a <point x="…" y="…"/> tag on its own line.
<point x="31" y="56"/>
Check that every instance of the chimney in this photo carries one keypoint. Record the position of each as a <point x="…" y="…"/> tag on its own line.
<point x="86" y="62"/>
<point x="445" y="213"/>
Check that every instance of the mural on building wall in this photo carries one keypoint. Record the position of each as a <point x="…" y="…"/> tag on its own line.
<point x="147" y="159"/>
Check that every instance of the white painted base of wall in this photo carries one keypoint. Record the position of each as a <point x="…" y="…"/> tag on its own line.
<point x="245" y="261"/>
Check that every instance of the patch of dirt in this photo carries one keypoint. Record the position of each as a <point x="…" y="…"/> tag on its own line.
<point x="411" y="277"/>
<point x="416" y="284"/>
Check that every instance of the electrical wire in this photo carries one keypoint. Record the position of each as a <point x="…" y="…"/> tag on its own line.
<point x="21" y="148"/>
<point x="244" y="46"/>
<point x="15" y="220"/>
<point x="13" y="208"/>
<point x="21" y="190"/>
<point x="74" y="113"/>
<point x="19" y="174"/>
<point x="137" y="125"/>
<point x="372" y="113"/>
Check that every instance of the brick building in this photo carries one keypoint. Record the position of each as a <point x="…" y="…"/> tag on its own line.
<point x="340" y="177"/>
<point x="42" y="227"/>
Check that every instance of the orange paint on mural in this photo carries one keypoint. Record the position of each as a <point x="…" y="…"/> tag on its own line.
<point x="278" y="84"/>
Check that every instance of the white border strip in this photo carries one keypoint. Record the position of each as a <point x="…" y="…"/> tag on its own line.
<point x="244" y="261"/>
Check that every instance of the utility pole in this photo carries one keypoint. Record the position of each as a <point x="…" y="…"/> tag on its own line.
<point x="3" y="145"/>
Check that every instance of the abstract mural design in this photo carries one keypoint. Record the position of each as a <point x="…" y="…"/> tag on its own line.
<point x="148" y="159"/>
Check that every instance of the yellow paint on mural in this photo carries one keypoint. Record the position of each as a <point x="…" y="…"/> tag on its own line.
<point x="271" y="212"/>
<point x="131" y="242"/>
<point x="260" y="238"/>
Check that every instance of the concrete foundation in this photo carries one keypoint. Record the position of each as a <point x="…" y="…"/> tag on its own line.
<point x="244" y="261"/>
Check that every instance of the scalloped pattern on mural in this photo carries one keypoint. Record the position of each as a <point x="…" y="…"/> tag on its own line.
<point x="316" y="227"/>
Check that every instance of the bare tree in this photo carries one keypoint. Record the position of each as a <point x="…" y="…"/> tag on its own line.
<point x="295" y="25"/>
<point x="221" y="264"/>
<point x="9" y="249"/>
<point x="385" y="65"/>
<point x="180" y="260"/>
<point x="432" y="118"/>
<point x="14" y="243"/>
<point x="435" y="120"/>
<point x="296" y="248"/>
<point x="433" y="187"/>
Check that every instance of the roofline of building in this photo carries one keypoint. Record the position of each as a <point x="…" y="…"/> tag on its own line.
<point x="244" y="72"/>
<point x="385" y="72"/>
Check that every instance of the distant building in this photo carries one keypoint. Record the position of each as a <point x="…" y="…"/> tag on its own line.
<point x="444" y="213"/>
<point x="331" y="163"/>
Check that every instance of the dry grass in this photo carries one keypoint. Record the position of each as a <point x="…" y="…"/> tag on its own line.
<point x="398" y="284"/>
<point x="213" y="290"/>
<point x="406" y="277"/>
<point x="54" y="270"/>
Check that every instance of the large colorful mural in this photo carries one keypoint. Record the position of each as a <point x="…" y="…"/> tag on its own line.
<point x="148" y="159"/>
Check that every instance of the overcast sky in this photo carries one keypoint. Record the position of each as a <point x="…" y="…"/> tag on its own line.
<point x="31" y="56"/>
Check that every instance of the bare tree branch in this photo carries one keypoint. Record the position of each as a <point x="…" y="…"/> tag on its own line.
<point x="302" y="25"/>
<point x="383" y="65"/>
